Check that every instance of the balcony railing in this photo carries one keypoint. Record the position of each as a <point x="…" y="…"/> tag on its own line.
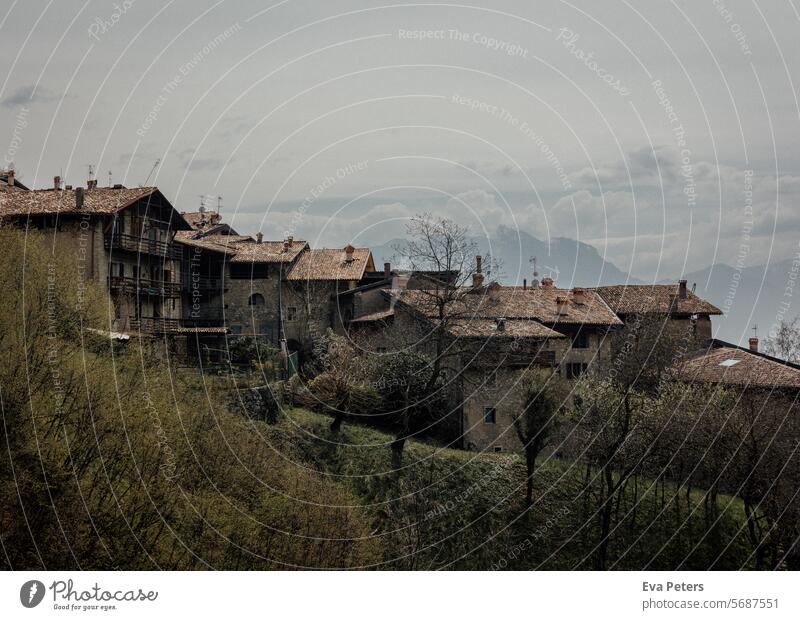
<point x="144" y="286"/>
<point x="202" y="283"/>
<point x="155" y="325"/>
<point x="142" y="245"/>
<point x="163" y="325"/>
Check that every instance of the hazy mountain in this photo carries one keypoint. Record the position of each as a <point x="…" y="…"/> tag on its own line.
<point x="752" y="295"/>
<point x="756" y="295"/>
<point x="569" y="262"/>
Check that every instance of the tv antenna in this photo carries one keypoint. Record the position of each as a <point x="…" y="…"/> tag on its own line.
<point x="110" y="179"/>
<point x="152" y="170"/>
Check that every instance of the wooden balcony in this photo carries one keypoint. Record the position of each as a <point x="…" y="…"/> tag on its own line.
<point x="202" y="283"/>
<point x="142" y="245"/>
<point x="144" y="286"/>
<point x="162" y="325"/>
<point x="155" y="325"/>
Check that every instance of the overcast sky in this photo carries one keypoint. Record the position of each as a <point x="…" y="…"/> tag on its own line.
<point x="663" y="133"/>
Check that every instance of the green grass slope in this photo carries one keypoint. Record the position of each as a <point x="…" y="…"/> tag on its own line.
<point x="460" y="510"/>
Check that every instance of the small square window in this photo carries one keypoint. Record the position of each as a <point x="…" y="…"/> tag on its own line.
<point x="489" y="415"/>
<point x="498" y="448"/>
<point x="581" y="340"/>
<point x="291" y="313"/>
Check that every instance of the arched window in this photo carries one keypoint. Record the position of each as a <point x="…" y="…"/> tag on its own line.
<point x="256" y="299"/>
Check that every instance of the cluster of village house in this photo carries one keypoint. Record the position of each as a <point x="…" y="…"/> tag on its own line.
<point x="190" y="280"/>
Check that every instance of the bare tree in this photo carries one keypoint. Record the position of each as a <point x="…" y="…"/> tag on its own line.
<point x="784" y="341"/>
<point x="445" y="251"/>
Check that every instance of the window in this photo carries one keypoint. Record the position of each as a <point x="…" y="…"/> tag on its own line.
<point x="265" y="331"/>
<point x="117" y="270"/>
<point x="249" y="271"/>
<point x="256" y="299"/>
<point x="236" y="330"/>
<point x="498" y="448"/>
<point x="291" y="313"/>
<point x="575" y="370"/>
<point x="581" y="340"/>
<point x="489" y="415"/>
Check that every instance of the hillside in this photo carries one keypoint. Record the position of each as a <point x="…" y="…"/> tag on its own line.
<point x="464" y="510"/>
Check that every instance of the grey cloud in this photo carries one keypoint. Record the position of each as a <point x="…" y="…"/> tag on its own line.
<point x="29" y="95"/>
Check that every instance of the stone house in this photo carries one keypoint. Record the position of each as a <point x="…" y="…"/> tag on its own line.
<point x="320" y="291"/>
<point x="492" y="334"/>
<point x="683" y="308"/>
<point x="282" y="292"/>
<point x="122" y="237"/>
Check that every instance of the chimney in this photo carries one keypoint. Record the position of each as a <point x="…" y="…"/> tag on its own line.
<point x="56" y="182"/>
<point x="754" y="344"/>
<point x="286" y="245"/>
<point x="259" y="237"/>
<point x="673" y="302"/>
<point x="387" y="270"/>
<point x="562" y="306"/>
<point x="91" y="184"/>
<point x="500" y="324"/>
<point x="524" y="284"/>
<point x="79" y="198"/>
<point x="10" y="177"/>
<point x="290" y="239"/>
<point x="578" y="295"/>
<point x="494" y="291"/>
<point x="477" y="277"/>
<point x="682" y="289"/>
<point x="348" y="252"/>
<point x="547" y="282"/>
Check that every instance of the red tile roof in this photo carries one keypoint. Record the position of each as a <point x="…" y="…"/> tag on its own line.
<point x="328" y="264"/>
<point x="656" y="298"/>
<point x="380" y="315"/>
<point x="226" y="244"/>
<point x="201" y="221"/>
<point x="501" y="328"/>
<point x="101" y="200"/>
<point x="728" y="364"/>
<point x="511" y="302"/>
<point x="268" y="252"/>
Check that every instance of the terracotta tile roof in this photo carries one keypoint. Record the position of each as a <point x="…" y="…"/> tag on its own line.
<point x="380" y="315"/>
<point x="731" y="365"/>
<point x="328" y="264"/>
<point x="101" y="200"/>
<point x="511" y="302"/>
<point x="645" y="298"/>
<point x="194" y="218"/>
<point x="510" y="328"/>
<point x="267" y="252"/>
<point x="227" y="244"/>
